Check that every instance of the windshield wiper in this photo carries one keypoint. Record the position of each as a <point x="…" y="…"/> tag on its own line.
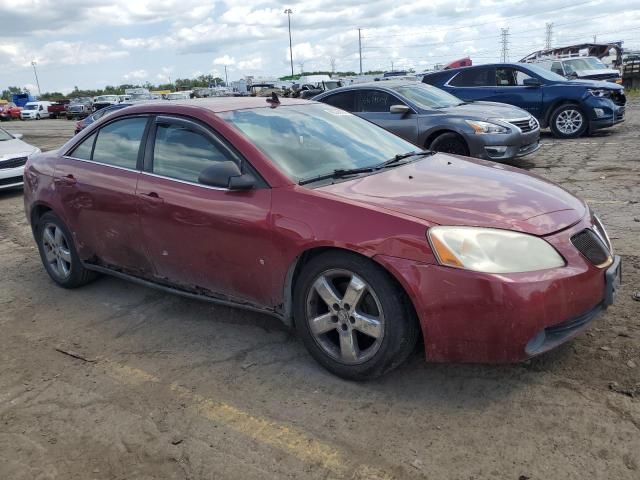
<point x="338" y="173"/>
<point x="402" y="156"/>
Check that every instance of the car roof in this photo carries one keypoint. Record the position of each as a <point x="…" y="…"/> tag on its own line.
<point x="472" y="67"/>
<point x="219" y="104"/>
<point x="388" y="84"/>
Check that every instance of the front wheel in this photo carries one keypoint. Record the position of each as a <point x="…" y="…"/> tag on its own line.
<point x="449" y="142"/>
<point x="58" y="253"/>
<point x="568" y="121"/>
<point x="353" y="319"/>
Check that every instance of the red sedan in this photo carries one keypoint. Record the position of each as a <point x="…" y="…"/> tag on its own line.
<point x="302" y="211"/>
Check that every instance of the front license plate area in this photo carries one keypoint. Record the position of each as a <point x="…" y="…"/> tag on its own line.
<point x="613" y="280"/>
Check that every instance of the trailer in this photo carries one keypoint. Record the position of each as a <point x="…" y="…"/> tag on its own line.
<point x="631" y="74"/>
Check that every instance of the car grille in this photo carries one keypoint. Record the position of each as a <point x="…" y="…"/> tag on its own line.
<point x="10" y="181"/>
<point x="13" y="163"/>
<point x="76" y="108"/>
<point x="525" y="125"/>
<point x="592" y="246"/>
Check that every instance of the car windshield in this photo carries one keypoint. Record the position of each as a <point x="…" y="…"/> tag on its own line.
<point x="107" y="98"/>
<point x="306" y="141"/>
<point x="428" y="97"/>
<point x="4" y="136"/>
<point x="588" y="63"/>
<point x="31" y="107"/>
<point x="544" y="73"/>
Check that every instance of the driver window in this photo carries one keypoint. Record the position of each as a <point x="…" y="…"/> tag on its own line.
<point x="556" y="67"/>
<point x="183" y="153"/>
<point x="377" y="101"/>
<point x="521" y="77"/>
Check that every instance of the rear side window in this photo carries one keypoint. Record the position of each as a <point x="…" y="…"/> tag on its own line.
<point x="474" y="77"/>
<point x="83" y="150"/>
<point x="343" y="100"/>
<point x="183" y="153"/>
<point x="556" y="67"/>
<point x="377" y="101"/>
<point x="118" y="143"/>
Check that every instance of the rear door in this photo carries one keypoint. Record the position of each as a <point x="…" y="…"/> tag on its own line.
<point x="96" y="183"/>
<point x="374" y="105"/>
<point x="200" y="238"/>
<point x="475" y="83"/>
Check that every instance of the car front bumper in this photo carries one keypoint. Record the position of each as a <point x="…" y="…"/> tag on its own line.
<point x="488" y="318"/>
<point x="11" y="177"/>
<point x="504" y="146"/>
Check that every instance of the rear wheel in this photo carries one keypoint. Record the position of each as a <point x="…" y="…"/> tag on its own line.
<point x="352" y="317"/>
<point x="449" y="142"/>
<point x="58" y="253"/>
<point x="568" y="121"/>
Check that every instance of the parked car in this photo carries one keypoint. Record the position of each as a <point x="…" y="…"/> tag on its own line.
<point x="80" y="107"/>
<point x="302" y="211"/>
<point x="58" y="108"/>
<point x="102" y="101"/>
<point x="178" y="96"/>
<point x="436" y="120"/>
<point x="9" y="111"/>
<point x="570" y="108"/>
<point x="35" y="111"/>
<point x="95" y="116"/>
<point x="581" y="68"/>
<point x="13" y="156"/>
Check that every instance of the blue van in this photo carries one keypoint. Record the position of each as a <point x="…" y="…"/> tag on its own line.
<point x="570" y="108"/>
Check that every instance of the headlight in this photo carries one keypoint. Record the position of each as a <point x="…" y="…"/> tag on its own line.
<point x="598" y="92"/>
<point x="485" y="127"/>
<point x="491" y="250"/>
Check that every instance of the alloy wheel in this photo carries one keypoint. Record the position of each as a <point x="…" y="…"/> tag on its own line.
<point x="56" y="251"/>
<point x="345" y="316"/>
<point x="569" y="121"/>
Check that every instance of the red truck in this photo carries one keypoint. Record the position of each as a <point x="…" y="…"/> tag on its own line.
<point x="58" y="108"/>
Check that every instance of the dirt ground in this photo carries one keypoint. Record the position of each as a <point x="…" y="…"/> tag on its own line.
<point x="175" y="388"/>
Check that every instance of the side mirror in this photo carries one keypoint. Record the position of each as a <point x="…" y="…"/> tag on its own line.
<point x="226" y="175"/>
<point x="17" y="135"/>
<point x="402" y="109"/>
<point x="531" y="82"/>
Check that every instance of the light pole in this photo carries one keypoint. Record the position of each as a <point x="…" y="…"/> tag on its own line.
<point x="33" y="64"/>
<point x="226" y="78"/>
<point x="288" y="11"/>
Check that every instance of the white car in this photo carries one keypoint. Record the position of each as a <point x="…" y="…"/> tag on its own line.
<point x="35" y="111"/>
<point x="178" y="96"/>
<point x="13" y="155"/>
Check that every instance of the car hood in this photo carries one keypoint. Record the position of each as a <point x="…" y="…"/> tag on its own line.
<point x="12" y="148"/>
<point x="486" y="111"/>
<point x="451" y="190"/>
<point x="592" y="84"/>
<point x="602" y="71"/>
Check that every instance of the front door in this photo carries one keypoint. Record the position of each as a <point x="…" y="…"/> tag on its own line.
<point x="510" y="89"/>
<point x="203" y="239"/>
<point x="374" y="105"/>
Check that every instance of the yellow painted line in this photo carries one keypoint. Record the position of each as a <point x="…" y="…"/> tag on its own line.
<point x="290" y="440"/>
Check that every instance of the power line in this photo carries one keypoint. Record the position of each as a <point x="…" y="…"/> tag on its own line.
<point x="360" y="47"/>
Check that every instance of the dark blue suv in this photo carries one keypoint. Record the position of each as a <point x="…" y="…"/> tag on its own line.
<point x="569" y="108"/>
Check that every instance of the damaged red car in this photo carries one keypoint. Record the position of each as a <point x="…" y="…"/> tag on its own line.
<point x="360" y="240"/>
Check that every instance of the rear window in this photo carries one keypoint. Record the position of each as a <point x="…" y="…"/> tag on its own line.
<point x="343" y="100"/>
<point x="118" y="143"/>
<point x="474" y="77"/>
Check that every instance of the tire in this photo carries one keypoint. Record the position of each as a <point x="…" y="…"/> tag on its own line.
<point x="59" y="253"/>
<point x="38" y="116"/>
<point x="568" y="121"/>
<point x="380" y="308"/>
<point x="449" y="142"/>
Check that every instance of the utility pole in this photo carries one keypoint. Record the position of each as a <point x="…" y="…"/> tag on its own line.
<point x="360" y="47"/>
<point x="301" y="65"/>
<point x="332" y="61"/>
<point x="226" y="78"/>
<point x="288" y="11"/>
<point x="505" y="44"/>
<point x="595" y="39"/>
<point x="392" y="65"/>
<point x="33" y="64"/>
<point x="548" y="36"/>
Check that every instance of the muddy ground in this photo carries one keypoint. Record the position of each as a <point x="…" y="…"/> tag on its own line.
<point x="175" y="388"/>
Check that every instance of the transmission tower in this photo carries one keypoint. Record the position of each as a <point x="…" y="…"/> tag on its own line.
<point x="549" y="36"/>
<point x="505" y="44"/>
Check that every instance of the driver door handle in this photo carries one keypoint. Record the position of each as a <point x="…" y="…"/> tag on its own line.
<point x="68" y="179"/>
<point x="152" y="197"/>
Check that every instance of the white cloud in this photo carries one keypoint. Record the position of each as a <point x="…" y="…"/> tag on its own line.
<point x="224" y="60"/>
<point x="59" y="53"/>
<point x="136" y="75"/>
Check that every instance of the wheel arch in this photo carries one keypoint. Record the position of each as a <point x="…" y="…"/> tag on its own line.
<point x="299" y="262"/>
<point x="37" y="211"/>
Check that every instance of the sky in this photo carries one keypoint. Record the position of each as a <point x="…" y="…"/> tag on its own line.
<point x="93" y="43"/>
